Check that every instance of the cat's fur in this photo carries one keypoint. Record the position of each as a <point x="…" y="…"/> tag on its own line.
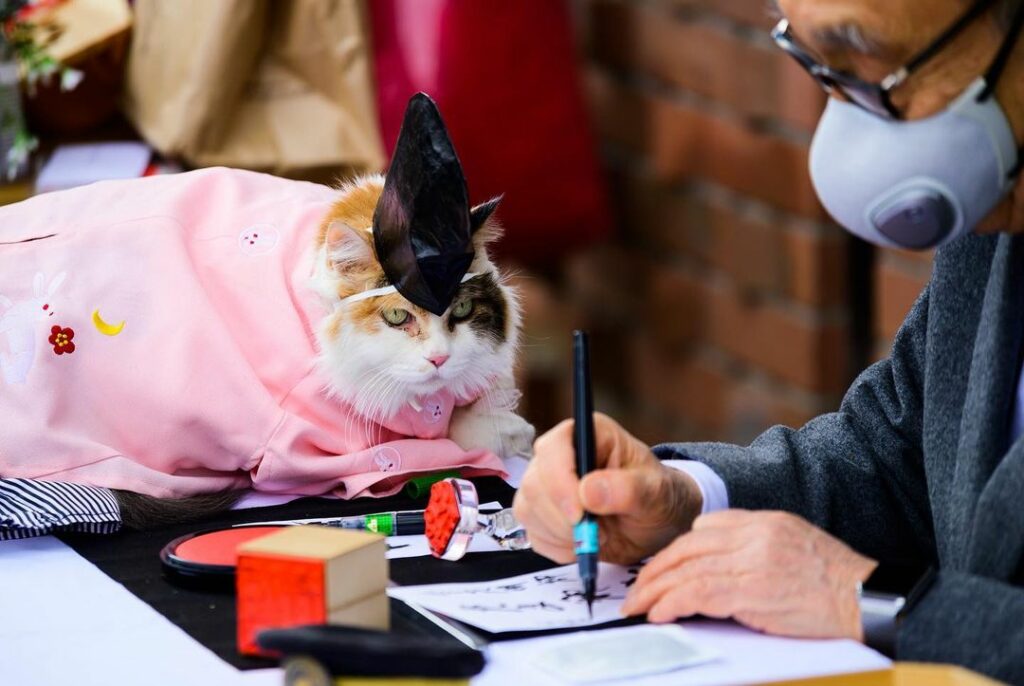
<point x="376" y="367"/>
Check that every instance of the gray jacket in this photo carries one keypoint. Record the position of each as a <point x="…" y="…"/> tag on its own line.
<point x="916" y="467"/>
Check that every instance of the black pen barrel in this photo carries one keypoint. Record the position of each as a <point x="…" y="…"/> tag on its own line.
<point x="585" y="533"/>
<point x="583" y="406"/>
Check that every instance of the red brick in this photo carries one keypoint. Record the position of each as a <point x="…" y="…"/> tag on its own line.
<point x="702" y="393"/>
<point x="816" y="266"/>
<point x="653" y="217"/>
<point x="547" y="315"/>
<point x="685" y="387"/>
<point x="790" y="346"/>
<point x="605" y="278"/>
<point x="759" y="253"/>
<point x="748" y="248"/>
<point x="683" y="143"/>
<point x="675" y="309"/>
<point x="897" y="285"/>
<point x="755" y="406"/>
<point x="754" y="78"/>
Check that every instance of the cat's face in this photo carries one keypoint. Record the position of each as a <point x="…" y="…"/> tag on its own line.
<point x="378" y="353"/>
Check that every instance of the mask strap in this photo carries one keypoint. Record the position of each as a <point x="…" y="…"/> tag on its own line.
<point x="995" y="70"/>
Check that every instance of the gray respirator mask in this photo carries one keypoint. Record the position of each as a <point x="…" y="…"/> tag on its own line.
<point x="916" y="184"/>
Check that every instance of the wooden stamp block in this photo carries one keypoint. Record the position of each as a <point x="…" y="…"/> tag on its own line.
<point x="310" y="575"/>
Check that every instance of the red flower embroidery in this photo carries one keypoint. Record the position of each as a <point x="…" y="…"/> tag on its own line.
<point x="61" y="340"/>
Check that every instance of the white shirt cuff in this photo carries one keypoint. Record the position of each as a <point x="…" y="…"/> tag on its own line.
<point x="712" y="488"/>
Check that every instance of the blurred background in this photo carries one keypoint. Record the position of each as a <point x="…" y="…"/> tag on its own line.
<point x="653" y="156"/>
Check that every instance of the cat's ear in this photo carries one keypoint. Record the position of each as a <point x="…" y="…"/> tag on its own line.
<point x="479" y="215"/>
<point x="347" y="247"/>
<point x="484" y="232"/>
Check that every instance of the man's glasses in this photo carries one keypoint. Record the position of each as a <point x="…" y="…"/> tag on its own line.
<point x="873" y="97"/>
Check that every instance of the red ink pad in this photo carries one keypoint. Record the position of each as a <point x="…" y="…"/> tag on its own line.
<point x="207" y="559"/>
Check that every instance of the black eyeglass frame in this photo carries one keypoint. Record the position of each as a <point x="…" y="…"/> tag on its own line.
<point x="870" y="96"/>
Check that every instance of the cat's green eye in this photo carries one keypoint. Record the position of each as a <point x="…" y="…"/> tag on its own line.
<point x="396" y="316"/>
<point x="462" y="308"/>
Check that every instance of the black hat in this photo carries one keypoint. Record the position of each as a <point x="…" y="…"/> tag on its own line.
<point x="423" y="225"/>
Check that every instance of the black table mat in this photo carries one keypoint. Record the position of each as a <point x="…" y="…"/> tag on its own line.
<point x="131" y="559"/>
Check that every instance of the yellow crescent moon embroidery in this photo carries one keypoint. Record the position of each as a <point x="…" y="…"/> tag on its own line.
<point x="103" y="327"/>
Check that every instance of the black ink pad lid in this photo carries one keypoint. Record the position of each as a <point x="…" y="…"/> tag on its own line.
<point x="349" y="651"/>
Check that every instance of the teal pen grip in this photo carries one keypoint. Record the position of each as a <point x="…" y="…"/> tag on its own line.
<point x="585" y="537"/>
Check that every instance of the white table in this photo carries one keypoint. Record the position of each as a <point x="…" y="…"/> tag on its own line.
<point x="63" y="621"/>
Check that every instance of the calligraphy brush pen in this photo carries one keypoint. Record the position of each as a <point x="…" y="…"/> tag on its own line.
<point x="585" y="532"/>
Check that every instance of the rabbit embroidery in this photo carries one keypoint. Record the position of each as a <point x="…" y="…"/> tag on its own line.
<point x="18" y="324"/>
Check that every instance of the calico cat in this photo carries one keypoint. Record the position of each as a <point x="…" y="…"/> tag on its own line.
<point x="376" y="353"/>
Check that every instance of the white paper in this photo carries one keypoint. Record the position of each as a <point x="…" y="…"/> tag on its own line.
<point x="624" y="653"/>
<point x="66" y="622"/>
<point x="745" y="657"/>
<point x="551" y="599"/>
<point x="416" y="545"/>
<point x="516" y="467"/>
<point x="82" y="163"/>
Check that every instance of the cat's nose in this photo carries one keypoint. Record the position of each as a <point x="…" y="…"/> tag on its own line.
<point x="438" y="360"/>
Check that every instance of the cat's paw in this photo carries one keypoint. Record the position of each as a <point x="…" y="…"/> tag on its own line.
<point x="501" y="431"/>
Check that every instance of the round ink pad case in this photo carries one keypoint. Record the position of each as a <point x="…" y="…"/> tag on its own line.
<point x="207" y="559"/>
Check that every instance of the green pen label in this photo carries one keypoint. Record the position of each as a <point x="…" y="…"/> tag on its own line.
<point x="585" y="538"/>
<point x="382" y="524"/>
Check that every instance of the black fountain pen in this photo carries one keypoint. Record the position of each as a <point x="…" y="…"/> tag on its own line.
<point x="585" y="534"/>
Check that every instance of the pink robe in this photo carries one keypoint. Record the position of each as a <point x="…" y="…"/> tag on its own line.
<point x="210" y="384"/>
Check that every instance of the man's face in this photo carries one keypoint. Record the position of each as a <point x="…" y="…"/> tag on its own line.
<point x="872" y="38"/>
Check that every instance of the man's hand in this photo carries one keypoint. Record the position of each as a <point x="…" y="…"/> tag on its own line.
<point x="772" y="571"/>
<point x="643" y="504"/>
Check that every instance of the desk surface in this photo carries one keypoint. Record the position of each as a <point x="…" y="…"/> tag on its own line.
<point x="65" y="621"/>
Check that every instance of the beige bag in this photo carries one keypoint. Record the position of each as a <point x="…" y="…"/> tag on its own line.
<point x="278" y="86"/>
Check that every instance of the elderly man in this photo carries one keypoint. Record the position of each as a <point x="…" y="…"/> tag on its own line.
<point x="921" y="471"/>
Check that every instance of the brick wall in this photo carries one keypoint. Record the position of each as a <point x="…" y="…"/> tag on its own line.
<point x="899" y="277"/>
<point x="727" y="301"/>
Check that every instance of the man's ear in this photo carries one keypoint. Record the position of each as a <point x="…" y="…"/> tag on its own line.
<point x="347" y="247"/>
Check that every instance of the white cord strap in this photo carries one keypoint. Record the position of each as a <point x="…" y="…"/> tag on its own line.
<point x="388" y="290"/>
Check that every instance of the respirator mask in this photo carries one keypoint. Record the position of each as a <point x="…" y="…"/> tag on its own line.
<point x="911" y="184"/>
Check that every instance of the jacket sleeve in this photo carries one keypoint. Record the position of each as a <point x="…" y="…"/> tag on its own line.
<point x="857" y="473"/>
<point x="968" y="620"/>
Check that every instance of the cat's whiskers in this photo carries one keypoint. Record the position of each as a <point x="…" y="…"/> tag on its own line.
<point x="378" y="410"/>
<point x="368" y="407"/>
<point x="362" y="390"/>
<point x="494" y="422"/>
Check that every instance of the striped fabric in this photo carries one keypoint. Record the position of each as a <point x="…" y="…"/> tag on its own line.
<point x="36" y="508"/>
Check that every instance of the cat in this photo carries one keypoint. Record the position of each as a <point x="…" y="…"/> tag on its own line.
<point x="405" y="351"/>
<point x="376" y="354"/>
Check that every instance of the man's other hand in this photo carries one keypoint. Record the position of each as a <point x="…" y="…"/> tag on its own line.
<point x="772" y="571"/>
<point x="642" y="504"/>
